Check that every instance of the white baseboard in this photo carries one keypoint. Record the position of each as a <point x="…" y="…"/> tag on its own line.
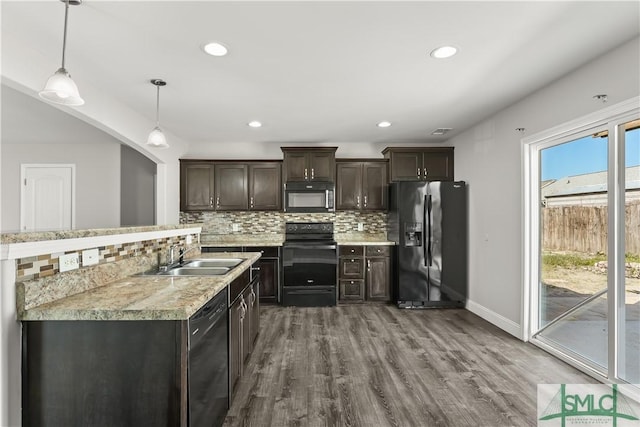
<point x="500" y="321"/>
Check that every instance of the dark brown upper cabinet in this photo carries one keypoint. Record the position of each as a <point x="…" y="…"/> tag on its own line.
<point x="230" y="186"/>
<point x="265" y="186"/>
<point x="361" y="185"/>
<point x="196" y="186"/>
<point x="309" y="164"/>
<point x="420" y="164"/>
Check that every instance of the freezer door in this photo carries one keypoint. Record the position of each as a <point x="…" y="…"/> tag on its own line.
<point x="411" y="266"/>
<point x="447" y="243"/>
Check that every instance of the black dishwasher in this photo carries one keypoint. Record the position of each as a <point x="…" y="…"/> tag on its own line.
<point x="208" y="364"/>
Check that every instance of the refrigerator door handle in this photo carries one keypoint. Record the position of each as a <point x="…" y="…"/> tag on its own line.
<point x="427" y="245"/>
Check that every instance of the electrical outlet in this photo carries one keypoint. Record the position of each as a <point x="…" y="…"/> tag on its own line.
<point x="360" y="226"/>
<point x="90" y="257"/>
<point x="235" y="227"/>
<point x="189" y="239"/>
<point x="68" y="262"/>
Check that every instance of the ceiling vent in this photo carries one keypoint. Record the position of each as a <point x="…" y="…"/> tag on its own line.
<point x="441" y="131"/>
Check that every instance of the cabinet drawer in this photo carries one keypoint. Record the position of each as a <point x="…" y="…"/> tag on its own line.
<point x="378" y="251"/>
<point x="352" y="290"/>
<point x="351" y="268"/>
<point x="267" y="251"/>
<point x="351" y="250"/>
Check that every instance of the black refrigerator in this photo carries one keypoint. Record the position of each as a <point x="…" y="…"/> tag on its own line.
<point x="428" y="223"/>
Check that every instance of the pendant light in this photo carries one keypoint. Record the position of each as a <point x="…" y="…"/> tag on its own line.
<point x="60" y="89"/>
<point x="156" y="137"/>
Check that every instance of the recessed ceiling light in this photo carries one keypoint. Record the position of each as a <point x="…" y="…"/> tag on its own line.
<point x="444" y="52"/>
<point x="215" y="49"/>
<point x="384" y="124"/>
<point x="255" y="124"/>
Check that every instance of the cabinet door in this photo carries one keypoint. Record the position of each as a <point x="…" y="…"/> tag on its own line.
<point x="295" y="166"/>
<point x="236" y="318"/>
<point x="247" y="341"/>
<point x="322" y="166"/>
<point x="268" y="279"/>
<point x="351" y="268"/>
<point x="232" y="192"/>
<point x="352" y="290"/>
<point x="265" y="186"/>
<point x="374" y="186"/>
<point x="406" y="165"/>
<point x="438" y="165"/>
<point x="196" y="186"/>
<point x="254" y="309"/>
<point x="348" y="185"/>
<point x="378" y="279"/>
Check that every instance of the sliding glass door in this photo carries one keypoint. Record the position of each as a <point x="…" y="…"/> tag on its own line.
<point x="573" y="246"/>
<point x="583" y="242"/>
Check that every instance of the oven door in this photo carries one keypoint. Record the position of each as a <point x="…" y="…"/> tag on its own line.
<point x="309" y="264"/>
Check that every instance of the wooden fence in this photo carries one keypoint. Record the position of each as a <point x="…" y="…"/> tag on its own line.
<point x="584" y="228"/>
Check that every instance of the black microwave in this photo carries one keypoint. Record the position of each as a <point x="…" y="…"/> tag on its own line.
<point x="309" y="196"/>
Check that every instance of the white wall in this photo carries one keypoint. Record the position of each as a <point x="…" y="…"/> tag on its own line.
<point x="488" y="156"/>
<point x="97" y="180"/>
<point x="272" y="151"/>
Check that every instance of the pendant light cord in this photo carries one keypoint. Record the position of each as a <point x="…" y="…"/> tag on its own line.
<point x="158" y="106"/>
<point x="64" y="38"/>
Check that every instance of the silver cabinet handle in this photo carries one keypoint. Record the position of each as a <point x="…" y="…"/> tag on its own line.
<point x="305" y="174"/>
<point x="425" y="172"/>
<point x="253" y="297"/>
<point x="326" y="197"/>
<point x="369" y="264"/>
<point x="365" y="201"/>
<point x="312" y="173"/>
<point x="251" y="201"/>
<point x="211" y="201"/>
<point x="217" y="202"/>
<point x="418" y="171"/>
<point x="353" y="250"/>
<point x="357" y="201"/>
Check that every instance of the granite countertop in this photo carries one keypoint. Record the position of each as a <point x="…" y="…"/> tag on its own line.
<point x="143" y="297"/>
<point x="218" y="240"/>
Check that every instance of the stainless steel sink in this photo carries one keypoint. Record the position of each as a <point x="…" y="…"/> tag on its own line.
<point x="217" y="262"/>
<point x="196" y="271"/>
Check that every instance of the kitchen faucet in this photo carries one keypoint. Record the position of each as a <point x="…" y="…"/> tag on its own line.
<point x="171" y="261"/>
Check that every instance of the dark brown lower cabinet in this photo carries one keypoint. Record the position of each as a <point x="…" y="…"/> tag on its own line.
<point x="364" y="273"/>
<point x="244" y="324"/>
<point x="236" y="318"/>
<point x="104" y="373"/>
<point x="269" y="265"/>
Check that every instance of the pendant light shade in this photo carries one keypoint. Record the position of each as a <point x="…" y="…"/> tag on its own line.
<point x="60" y="89"/>
<point x="156" y="138"/>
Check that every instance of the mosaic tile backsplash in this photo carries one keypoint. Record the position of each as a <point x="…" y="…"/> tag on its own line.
<point x="47" y="265"/>
<point x="269" y="222"/>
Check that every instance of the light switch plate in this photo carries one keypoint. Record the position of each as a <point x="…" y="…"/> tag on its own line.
<point x="68" y="262"/>
<point x="235" y="227"/>
<point x="189" y="239"/>
<point x="90" y="257"/>
<point x="360" y="226"/>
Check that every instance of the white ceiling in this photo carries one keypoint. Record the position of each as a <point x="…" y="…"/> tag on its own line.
<point x="316" y="71"/>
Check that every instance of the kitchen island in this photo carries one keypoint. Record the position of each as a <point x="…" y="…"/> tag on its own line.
<point x="143" y="350"/>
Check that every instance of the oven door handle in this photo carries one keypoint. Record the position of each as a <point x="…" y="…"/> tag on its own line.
<point x="286" y="245"/>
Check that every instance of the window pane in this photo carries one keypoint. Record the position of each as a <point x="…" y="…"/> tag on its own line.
<point x="630" y="337"/>
<point x="573" y="226"/>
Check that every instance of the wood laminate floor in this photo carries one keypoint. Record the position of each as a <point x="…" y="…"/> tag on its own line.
<point x="376" y="365"/>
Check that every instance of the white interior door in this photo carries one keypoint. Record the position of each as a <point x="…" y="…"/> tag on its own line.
<point x="47" y="197"/>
